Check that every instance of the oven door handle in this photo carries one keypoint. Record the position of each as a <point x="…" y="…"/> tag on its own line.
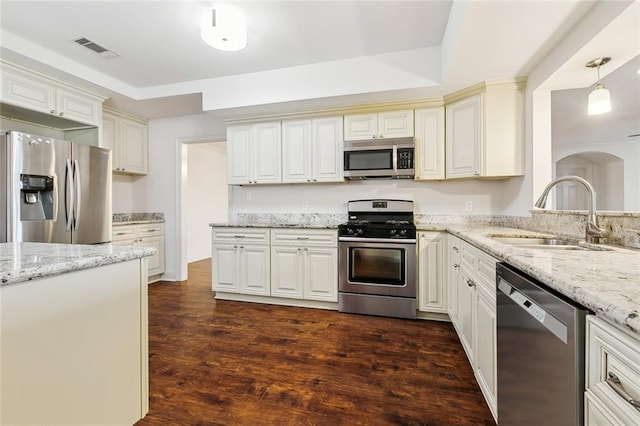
<point x="378" y="240"/>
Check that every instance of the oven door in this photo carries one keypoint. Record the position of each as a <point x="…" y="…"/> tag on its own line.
<point x="377" y="266"/>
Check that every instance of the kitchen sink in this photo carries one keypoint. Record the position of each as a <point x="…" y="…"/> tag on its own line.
<point x="549" y="243"/>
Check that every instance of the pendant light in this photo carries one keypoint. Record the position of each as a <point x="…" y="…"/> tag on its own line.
<point x="599" y="98"/>
<point x="224" y="28"/>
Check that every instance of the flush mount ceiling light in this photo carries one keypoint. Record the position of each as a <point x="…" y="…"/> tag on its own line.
<point x="599" y="98"/>
<point x="224" y="28"/>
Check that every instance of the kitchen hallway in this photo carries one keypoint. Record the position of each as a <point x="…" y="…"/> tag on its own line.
<point x="234" y="363"/>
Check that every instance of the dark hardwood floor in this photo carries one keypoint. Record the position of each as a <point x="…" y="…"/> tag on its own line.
<point x="233" y="363"/>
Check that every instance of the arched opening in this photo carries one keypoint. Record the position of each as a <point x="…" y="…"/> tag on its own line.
<point x="604" y="171"/>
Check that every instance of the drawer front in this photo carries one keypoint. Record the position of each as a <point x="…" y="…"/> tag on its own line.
<point x="305" y="237"/>
<point x="596" y="412"/>
<point x="613" y="368"/>
<point x="151" y="230"/>
<point x="236" y="235"/>
<point x="124" y="232"/>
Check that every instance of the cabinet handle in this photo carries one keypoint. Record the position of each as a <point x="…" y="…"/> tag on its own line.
<point x="151" y="230"/>
<point x="235" y="247"/>
<point x="241" y="247"/>
<point x="238" y="236"/>
<point x="121" y="233"/>
<point x="616" y="385"/>
<point x="315" y="180"/>
<point x="470" y="283"/>
<point x="303" y="238"/>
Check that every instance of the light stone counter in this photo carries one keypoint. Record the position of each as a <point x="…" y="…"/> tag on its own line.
<point x="27" y="261"/>
<point x="607" y="282"/>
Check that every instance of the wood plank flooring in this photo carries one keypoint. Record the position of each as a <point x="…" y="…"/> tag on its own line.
<point x="233" y="363"/>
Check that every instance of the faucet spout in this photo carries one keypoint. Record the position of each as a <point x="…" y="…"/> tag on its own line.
<point x="593" y="232"/>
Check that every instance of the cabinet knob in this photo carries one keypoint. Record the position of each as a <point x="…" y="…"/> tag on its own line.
<point x="61" y="114"/>
<point x="315" y="180"/>
<point x="470" y="283"/>
<point x="456" y="266"/>
<point x="455" y="249"/>
<point x="53" y="111"/>
<point x="381" y="136"/>
<point x="476" y="173"/>
<point x="374" y="136"/>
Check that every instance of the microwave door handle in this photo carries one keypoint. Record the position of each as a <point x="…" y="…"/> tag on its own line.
<point x="395" y="159"/>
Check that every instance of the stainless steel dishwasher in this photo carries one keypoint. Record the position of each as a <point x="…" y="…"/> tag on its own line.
<point x="540" y="353"/>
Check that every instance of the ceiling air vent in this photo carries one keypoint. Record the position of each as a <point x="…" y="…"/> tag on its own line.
<point x="92" y="45"/>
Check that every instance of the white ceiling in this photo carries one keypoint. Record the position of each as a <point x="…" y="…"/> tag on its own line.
<point x="302" y="55"/>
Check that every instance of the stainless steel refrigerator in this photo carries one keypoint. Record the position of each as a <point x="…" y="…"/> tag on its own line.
<point x="53" y="190"/>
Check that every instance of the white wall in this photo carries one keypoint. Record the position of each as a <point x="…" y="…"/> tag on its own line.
<point x="447" y="197"/>
<point x="122" y="193"/>
<point x="157" y="191"/>
<point x="206" y="196"/>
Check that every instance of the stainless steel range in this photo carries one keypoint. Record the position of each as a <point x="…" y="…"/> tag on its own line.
<point x="377" y="259"/>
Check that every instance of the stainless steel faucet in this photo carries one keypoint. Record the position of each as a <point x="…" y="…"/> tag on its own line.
<point x="593" y="231"/>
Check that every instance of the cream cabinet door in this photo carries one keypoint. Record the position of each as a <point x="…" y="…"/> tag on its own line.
<point x="239" y="158"/>
<point x="133" y="147"/>
<point x="464" y="138"/>
<point x="454" y="271"/>
<point x="108" y="141"/>
<point x="321" y="277"/>
<point x="225" y="268"/>
<point x="78" y="107"/>
<point x="266" y="150"/>
<point x="485" y="346"/>
<point x="28" y="92"/>
<point x="286" y="272"/>
<point x="429" y="144"/>
<point x="466" y="312"/>
<point x="155" y="262"/>
<point x="327" y="150"/>
<point x="432" y="250"/>
<point x="296" y="151"/>
<point x="254" y="270"/>
<point x="395" y="124"/>
<point x="360" y="126"/>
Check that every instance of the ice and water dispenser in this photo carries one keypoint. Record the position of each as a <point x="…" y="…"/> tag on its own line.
<point x="36" y="197"/>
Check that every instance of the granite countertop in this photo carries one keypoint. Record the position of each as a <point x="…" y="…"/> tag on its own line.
<point x="120" y="219"/>
<point x="273" y="225"/>
<point x="21" y="262"/>
<point x="605" y="281"/>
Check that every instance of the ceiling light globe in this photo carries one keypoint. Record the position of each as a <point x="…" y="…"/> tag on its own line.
<point x="224" y="28"/>
<point x="599" y="100"/>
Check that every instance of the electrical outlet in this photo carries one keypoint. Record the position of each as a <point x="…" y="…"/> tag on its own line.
<point x="305" y="205"/>
<point x="468" y="206"/>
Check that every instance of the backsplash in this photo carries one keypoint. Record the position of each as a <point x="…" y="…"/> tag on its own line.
<point x="135" y="217"/>
<point x="624" y="227"/>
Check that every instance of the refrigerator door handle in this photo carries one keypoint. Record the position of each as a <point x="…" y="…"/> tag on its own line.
<point x="78" y="193"/>
<point x="68" y="195"/>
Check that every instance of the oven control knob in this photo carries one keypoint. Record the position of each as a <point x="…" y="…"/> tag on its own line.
<point x="403" y="232"/>
<point x="392" y="232"/>
<point x="359" y="231"/>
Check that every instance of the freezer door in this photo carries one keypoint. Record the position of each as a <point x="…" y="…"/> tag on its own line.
<point x="4" y="195"/>
<point x="37" y="215"/>
<point x="92" y="194"/>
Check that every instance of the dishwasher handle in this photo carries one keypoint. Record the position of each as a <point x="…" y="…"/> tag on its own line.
<point x="536" y="311"/>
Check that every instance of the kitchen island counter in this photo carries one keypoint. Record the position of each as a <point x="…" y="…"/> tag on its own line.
<point x="21" y="262"/>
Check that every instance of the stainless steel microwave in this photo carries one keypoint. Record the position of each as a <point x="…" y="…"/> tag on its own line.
<point x="379" y="158"/>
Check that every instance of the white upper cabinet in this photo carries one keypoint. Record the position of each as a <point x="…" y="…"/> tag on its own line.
<point x="312" y="150"/>
<point x="484" y="130"/>
<point x="127" y="137"/>
<point x="22" y="88"/>
<point x="254" y="153"/>
<point x="429" y="144"/>
<point x="388" y="124"/>
<point x="327" y="144"/>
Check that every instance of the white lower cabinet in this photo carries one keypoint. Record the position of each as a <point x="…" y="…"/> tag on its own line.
<point x="143" y="235"/>
<point x="472" y="308"/>
<point x="282" y="264"/>
<point x="612" y="381"/>
<point x="304" y="264"/>
<point x="432" y="253"/>
<point x="240" y="261"/>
